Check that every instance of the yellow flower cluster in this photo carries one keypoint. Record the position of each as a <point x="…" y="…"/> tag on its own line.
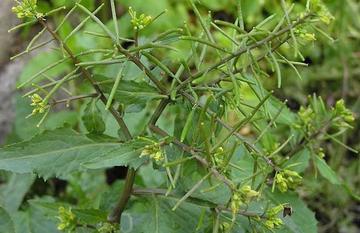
<point x="287" y="179"/>
<point x="272" y="221"/>
<point x="242" y="196"/>
<point x="67" y="220"/>
<point x="307" y="116"/>
<point x="38" y="103"/>
<point x="154" y="152"/>
<point x="139" y="22"/>
<point x="26" y="9"/>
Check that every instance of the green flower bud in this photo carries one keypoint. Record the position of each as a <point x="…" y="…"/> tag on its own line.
<point x="247" y="193"/>
<point x="287" y="179"/>
<point x="272" y="220"/>
<point x="320" y="153"/>
<point x="235" y="202"/>
<point x="340" y="110"/>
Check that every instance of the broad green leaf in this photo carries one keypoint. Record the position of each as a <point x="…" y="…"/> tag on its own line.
<point x="131" y="92"/>
<point x="302" y="220"/>
<point x="155" y="215"/>
<point x="62" y="151"/>
<point x="34" y="219"/>
<point x="92" y="118"/>
<point x="286" y="116"/>
<point x="211" y="189"/>
<point x="6" y="223"/>
<point x="90" y="216"/>
<point x="326" y="171"/>
<point x="300" y="161"/>
<point x="13" y="192"/>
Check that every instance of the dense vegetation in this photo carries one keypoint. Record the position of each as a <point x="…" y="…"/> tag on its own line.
<point x="184" y="116"/>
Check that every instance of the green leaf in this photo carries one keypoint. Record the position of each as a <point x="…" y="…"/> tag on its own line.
<point x="300" y="161"/>
<point x="326" y="171"/>
<point x="62" y="151"/>
<point x="286" y="116"/>
<point x="302" y="219"/>
<point x="131" y="92"/>
<point x="34" y="219"/>
<point x="211" y="189"/>
<point x="92" y="119"/>
<point x="13" y="192"/>
<point x="90" y="216"/>
<point x="155" y="215"/>
<point x="6" y="223"/>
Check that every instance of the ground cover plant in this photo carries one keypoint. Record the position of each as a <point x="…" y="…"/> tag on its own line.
<point x="192" y="111"/>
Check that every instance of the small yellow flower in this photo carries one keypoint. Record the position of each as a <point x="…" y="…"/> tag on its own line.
<point x="139" y="22"/>
<point x="67" y="219"/>
<point x="26" y="9"/>
<point x="154" y="152"/>
<point x="38" y="103"/>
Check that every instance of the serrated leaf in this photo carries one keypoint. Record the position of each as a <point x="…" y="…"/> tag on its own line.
<point x="326" y="171"/>
<point x="92" y="119"/>
<point x="302" y="220"/>
<point x="62" y="151"/>
<point x="131" y="92"/>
